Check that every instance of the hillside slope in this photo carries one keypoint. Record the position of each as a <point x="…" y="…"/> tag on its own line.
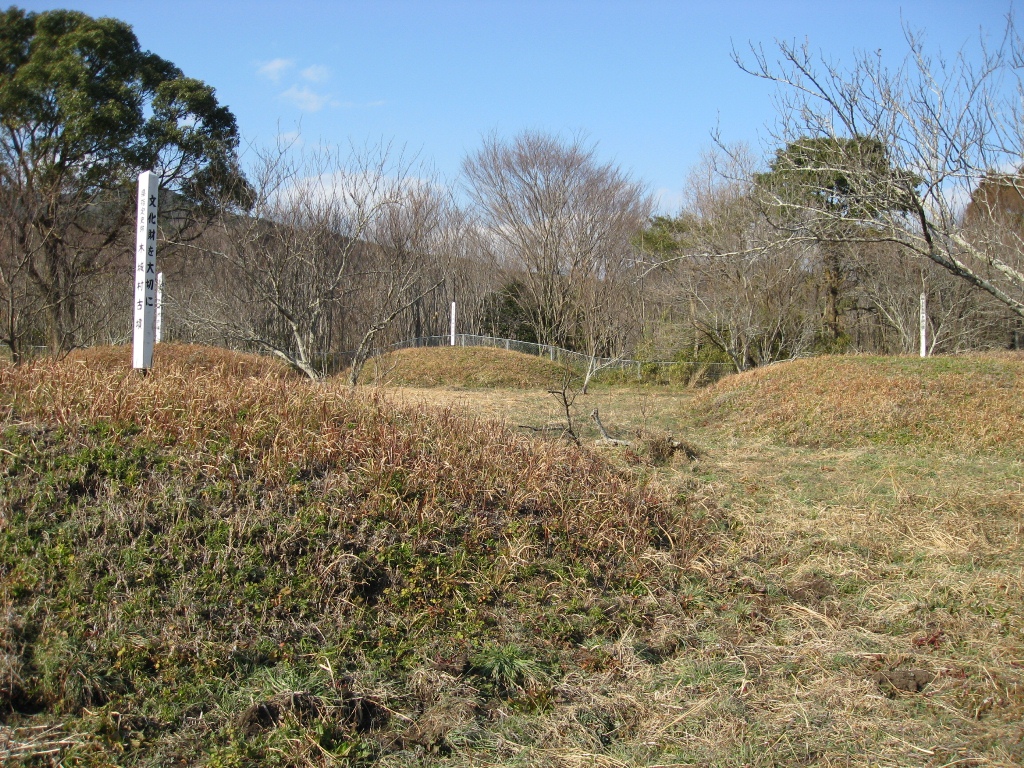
<point x="468" y="367"/>
<point x="217" y="562"/>
<point x="968" y="403"/>
<point x="224" y="564"/>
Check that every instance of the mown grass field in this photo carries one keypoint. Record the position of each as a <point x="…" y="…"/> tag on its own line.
<point x="221" y="564"/>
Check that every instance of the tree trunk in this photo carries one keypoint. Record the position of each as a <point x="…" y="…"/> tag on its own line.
<point x="833" y="278"/>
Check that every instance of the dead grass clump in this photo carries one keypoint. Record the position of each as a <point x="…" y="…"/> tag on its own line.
<point x="660" y="449"/>
<point x="969" y="403"/>
<point x="467" y="367"/>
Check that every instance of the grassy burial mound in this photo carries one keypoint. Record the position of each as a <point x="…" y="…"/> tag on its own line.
<point x="188" y="360"/>
<point x="222" y="563"/>
<point x="970" y="403"/>
<point x="467" y="367"/>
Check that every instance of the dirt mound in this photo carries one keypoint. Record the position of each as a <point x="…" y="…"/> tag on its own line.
<point x="185" y="357"/>
<point x="968" y="403"/>
<point x="313" y="548"/>
<point x="471" y="367"/>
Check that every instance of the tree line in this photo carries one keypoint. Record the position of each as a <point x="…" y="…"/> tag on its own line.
<point x="884" y="184"/>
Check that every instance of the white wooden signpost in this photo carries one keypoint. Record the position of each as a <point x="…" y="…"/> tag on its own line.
<point x="453" y="323"/>
<point x="144" y="325"/>
<point x="924" y="326"/>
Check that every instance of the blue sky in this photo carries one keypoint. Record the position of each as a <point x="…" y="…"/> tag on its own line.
<point x="647" y="81"/>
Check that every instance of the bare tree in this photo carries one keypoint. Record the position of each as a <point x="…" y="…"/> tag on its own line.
<point x="752" y="307"/>
<point x="744" y="292"/>
<point x="555" y="218"/>
<point x="942" y="125"/>
<point x="958" y="317"/>
<point x="18" y="302"/>
<point x="283" y="265"/>
<point x="610" y="315"/>
<point x="419" y="227"/>
<point x="334" y="248"/>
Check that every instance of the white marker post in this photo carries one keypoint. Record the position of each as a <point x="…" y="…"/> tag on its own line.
<point x="159" y="308"/>
<point x="924" y="326"/>
<point x="145" y="271"/>
<point x="453" y="323"/>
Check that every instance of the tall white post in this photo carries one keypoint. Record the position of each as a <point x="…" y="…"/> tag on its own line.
<point x="453" y="323"/>
<point x="159" y="307"/>
<point x="145" y="270"/>
<point x="924" y="326"/>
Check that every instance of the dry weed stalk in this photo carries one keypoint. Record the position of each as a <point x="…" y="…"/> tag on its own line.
<point x="34" y="743"/>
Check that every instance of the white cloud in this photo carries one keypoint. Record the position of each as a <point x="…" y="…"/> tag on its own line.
<point x="354" y="189"/>
<point x="306" y="99"/>
<point x="275" y="69"/>
<point x="316" y="73"/>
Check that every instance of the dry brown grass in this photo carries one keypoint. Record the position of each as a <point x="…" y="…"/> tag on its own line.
<point x="844" y="558"/>
<point x="282" y="421"/>
<point x="885" y="564"/>
<point x="624" y="411"/>
<point x="200" y="539"/>
<point x="968" y="403"/>
<point x="186" y="359"/>
<point x="818" y="558"/>
<point x="466" y="367"/>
